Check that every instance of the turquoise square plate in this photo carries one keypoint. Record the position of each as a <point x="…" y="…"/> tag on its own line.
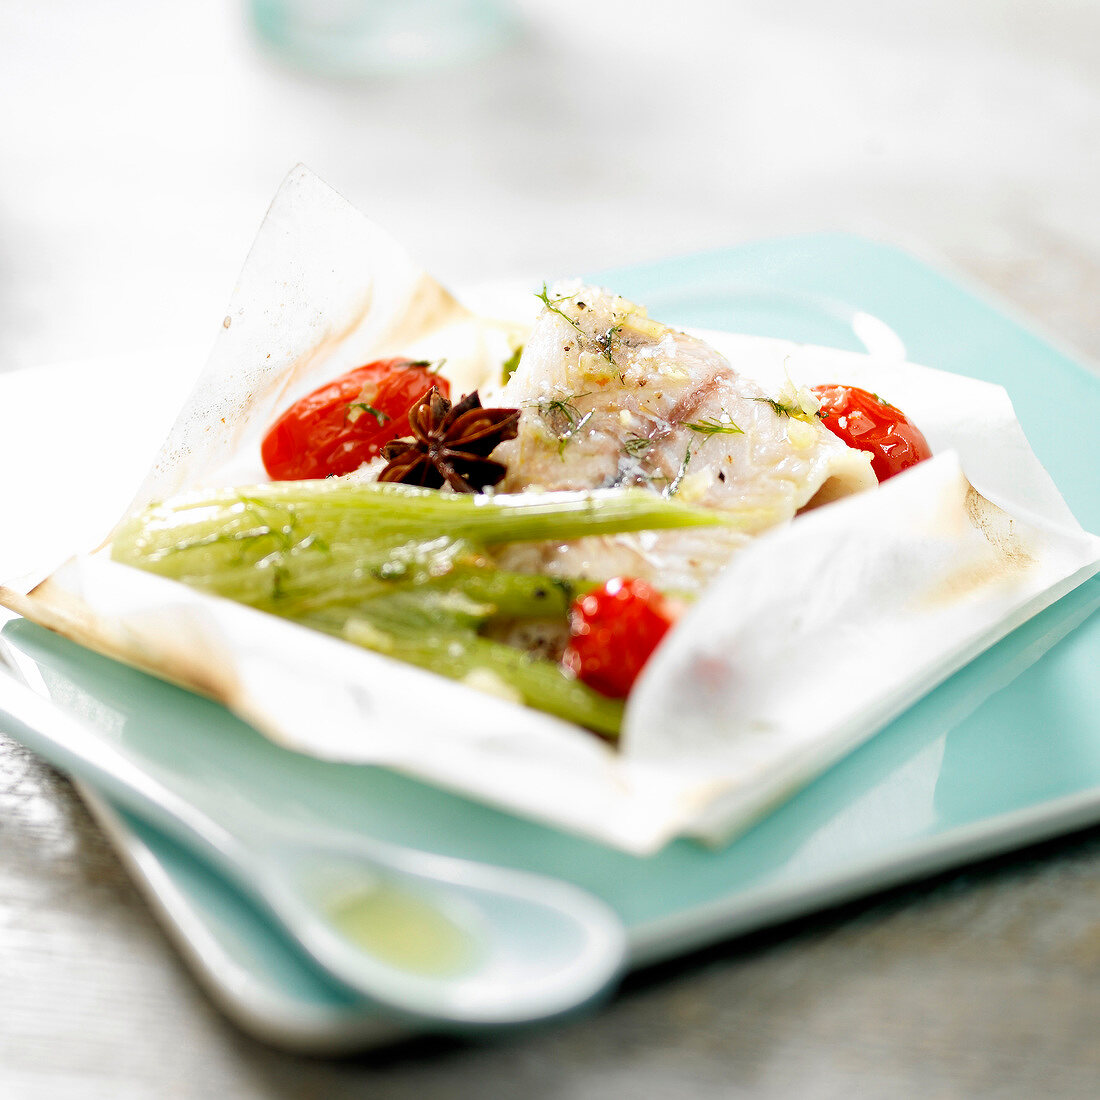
<point x="1004" y="753"/>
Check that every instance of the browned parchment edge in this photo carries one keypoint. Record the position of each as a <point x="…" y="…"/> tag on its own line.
<point x="58" y="610"/>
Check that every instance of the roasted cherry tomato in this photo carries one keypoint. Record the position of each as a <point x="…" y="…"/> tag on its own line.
<point x="613" y="631"/>
<point x="345" y="423"/>
<point x="864" y="421"/>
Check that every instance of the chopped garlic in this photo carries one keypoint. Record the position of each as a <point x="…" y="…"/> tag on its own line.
<point x="800" y="434"/>
<point x="672" y="372"/>
<point x="641" y="324"/>
<point x="800" y="401"/>
<point x="693" y="487"/>
<point x="594" y="369"/>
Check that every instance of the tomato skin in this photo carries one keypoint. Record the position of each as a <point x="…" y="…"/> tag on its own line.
<point x="613" y="632"/>
<point x="864" y="421"/>
<point x="324" y="433"/>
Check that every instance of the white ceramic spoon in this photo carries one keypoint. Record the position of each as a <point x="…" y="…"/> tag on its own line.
<point x="438" y="940"/>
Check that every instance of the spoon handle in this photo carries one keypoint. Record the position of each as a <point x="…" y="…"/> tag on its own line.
<point x="497" y="989"/>
<point x="69" y="745"/>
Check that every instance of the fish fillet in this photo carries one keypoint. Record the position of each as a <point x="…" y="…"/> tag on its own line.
<point x="610" y="397"/>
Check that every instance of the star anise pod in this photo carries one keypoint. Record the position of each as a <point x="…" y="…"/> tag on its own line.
<point x="451" y="443"/>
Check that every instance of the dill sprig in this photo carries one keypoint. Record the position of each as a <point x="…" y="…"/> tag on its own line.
<point x="604" y="342"/>
<point x="674" y="486"/>
<point x="552" y="305"/>
<point x="560" y="410"/>
<point x="791" y="408"/>
<point x="637" y="445"/>
<point x="715" y="427"/>
<point x="359" y="407"/>
<point x="563" y="418"/>
<point x="572" y="430"/>
<point x="777" y="406"/>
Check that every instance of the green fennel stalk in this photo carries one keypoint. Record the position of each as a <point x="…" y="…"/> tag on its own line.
<point x="401" y="570"/>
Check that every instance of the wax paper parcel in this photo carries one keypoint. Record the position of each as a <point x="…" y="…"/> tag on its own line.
<point x="887" y="592"/>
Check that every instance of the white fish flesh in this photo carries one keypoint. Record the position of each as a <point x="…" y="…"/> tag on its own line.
<point x="610" y="397"/>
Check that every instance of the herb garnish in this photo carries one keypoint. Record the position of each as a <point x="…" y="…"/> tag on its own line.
<point x="361" y="407"/>
<point x="778" y="407"/>
<point x="797" y="402"/>
<point x="560" y="414"/>
<point x="552" y="305"/>
<point x="563" y="418"/>
<point x="674" y="487"/>
<point x="572" y="430"/>
<point x="789" y="408"/>
<point x="636" y="445"/>
<point x="604" y="342"/>
<point x="715" y="427"/>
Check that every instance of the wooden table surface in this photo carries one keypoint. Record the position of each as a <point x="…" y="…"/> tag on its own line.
<point x="141" y="145"/>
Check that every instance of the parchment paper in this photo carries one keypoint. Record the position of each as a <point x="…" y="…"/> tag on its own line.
<point x="887" y="592"/>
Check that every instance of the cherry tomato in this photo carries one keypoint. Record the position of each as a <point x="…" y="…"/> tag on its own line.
<point x="345" y="423"/>
<point x="613" y="631"/>
<point x="864" y="421"/>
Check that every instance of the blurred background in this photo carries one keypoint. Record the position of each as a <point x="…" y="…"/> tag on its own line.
<point x="142" y="142"/>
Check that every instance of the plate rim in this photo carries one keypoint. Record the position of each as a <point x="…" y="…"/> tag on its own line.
<point x="326" y="1030"/>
